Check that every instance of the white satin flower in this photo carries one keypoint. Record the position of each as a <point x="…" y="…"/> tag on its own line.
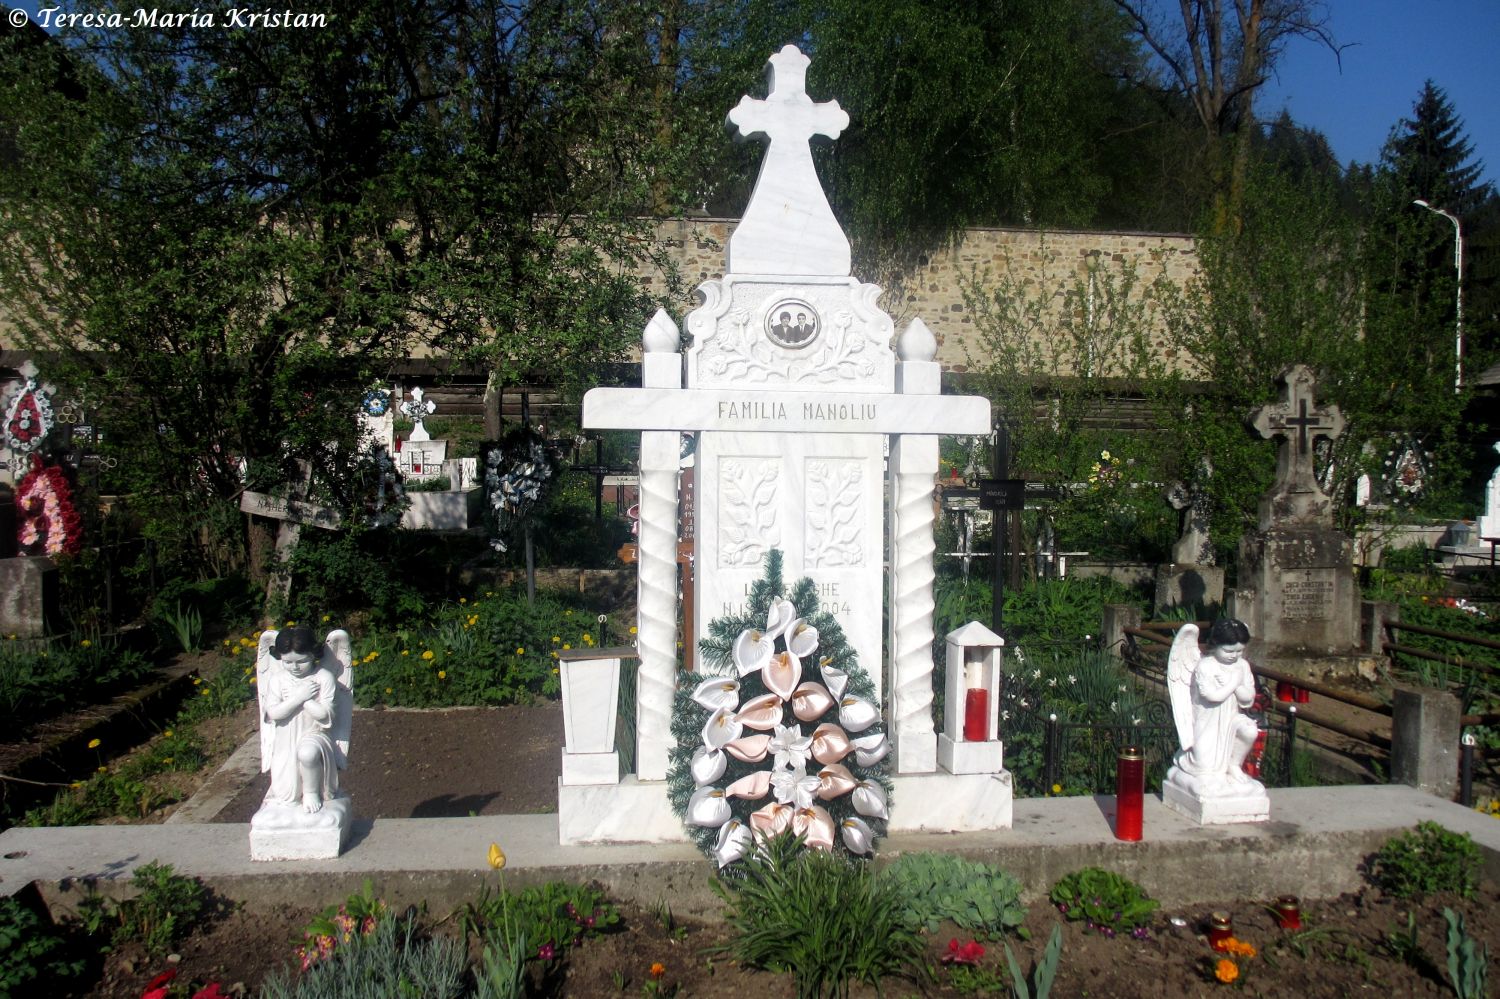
<point x="752" y="650"/>
<point x="734" y="843"/>
<point x="721" y="729"/>
<point x="869" y="799"/>
<point x="795" y="787"/>
<point x="709" y="808"/>
<point x="708" y="765"/>
<point x="857" y="714"/>
<point x="871" y="749"/>
<point x="834" y="679"/>
<point x="717" y="692"/>
<point x="779" y="617"/>
<point x="857" y="835"/>
<point x="801" y="638"/>
<point x="791" y="747"/>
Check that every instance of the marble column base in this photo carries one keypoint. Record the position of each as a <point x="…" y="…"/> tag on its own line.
<point x="632" y="811"/>
<point x="1248" y="803"/>
<point x="971" y="757"/>
<point x="951" y="802"/>
<point x="285" y="832"/>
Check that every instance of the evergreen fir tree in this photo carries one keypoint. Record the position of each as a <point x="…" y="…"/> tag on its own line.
<point x="1430" y="155"/>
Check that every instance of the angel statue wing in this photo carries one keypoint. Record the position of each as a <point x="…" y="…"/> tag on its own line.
<point x="337" y="660"/>
<point x="264" y="663"/>
<point x="1182" y="662"/>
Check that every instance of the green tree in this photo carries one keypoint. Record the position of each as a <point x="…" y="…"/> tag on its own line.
<point x="229" y="233"/>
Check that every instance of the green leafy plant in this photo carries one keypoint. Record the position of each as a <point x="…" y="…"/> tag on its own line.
<point x="1427" y="859"/>
<point x="1468" y="959"/>
<point x="30" y="951"/>
<point x="551" y="917"/>
<point x="186" y="625"/>
<point x="165" y="907"/>
<point x="393" y="960"/>
<point x="1404" y="945"/>
<point x="827" y="920"/>
<point x="1046" y="970"/>
<point x="937" y="886"/>
<point x="1104" y="900"/>
<point x="358" y="915"/>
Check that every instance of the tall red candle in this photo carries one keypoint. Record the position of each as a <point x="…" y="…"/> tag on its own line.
<point x="976" y="715"/>
<point x="1130" y="793"/>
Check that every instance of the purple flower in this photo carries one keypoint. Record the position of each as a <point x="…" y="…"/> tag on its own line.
<point x="546" y="952"/>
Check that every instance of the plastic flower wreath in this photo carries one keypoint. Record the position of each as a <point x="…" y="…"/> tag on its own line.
<point x="48" y="523"/>
<point x="780" y="733"/>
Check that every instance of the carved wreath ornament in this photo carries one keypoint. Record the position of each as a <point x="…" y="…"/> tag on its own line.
<point x="785" y="746"/>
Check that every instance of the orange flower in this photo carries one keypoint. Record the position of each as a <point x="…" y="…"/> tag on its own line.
<point x="1239" y="948"/>
<point x="1226" y="970"/>
<point x="658" y="969"/>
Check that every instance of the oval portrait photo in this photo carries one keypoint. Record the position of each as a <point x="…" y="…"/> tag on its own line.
<point x="792" y="323"/>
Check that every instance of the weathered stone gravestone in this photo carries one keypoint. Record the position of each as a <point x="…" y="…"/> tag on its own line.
<point x="1191" y="580"/>
<point x="795" y="393"/>
<point x="1297" y="589"/>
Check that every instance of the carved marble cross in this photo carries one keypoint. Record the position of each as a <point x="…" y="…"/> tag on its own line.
<point x="1298" y="421"/>
<point x="416" y="410"/>
<point x="788" y="227"/>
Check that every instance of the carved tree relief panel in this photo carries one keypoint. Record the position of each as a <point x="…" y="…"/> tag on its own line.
<point x="835" y="513"/>
<point x="748" y="494"/>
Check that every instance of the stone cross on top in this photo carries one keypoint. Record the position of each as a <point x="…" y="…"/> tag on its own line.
<point x="1296" y="495"/>
<point x="788" y="227"/>
<point x="417" y="410"/>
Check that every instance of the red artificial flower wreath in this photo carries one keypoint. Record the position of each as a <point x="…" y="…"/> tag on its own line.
<point x="48" y="523"/>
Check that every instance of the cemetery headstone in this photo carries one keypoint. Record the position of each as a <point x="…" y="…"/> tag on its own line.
<point x="794" y="391"/>
<point x="306" y="709"/>
<point x="1489" y="521"/>
<point x="1297" y="588"/>
<point x="41" y="520"/>
<point x="1191" y="580"/>
<point x="420" y="458"/>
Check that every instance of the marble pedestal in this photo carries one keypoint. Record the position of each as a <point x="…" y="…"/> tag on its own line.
<point x="1179" y="793"/>
<point x="952" y="802"/>
<point x="286" y="832"/>
<point x="962" y="757"/>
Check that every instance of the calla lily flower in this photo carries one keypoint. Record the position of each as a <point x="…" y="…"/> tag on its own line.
<point x="752" y="650"/>
<point x="717" y="692"/>
<point x="761" y="713"/>
<point x="749" y="749"/>
<point x="721" y="729"/>
<point x="810" y="701"/>
<point x="829" y="743"/>
<point x="752" y="785"/>
<point x="857" y="714"/>
<point x="790" y="746"/>
<point x="834" y="781"/>
<point x="871" y="749"/>
<point x="708" y="765"/>
<point x="815" y="825"/>
<point x="857" y="835"/>
<point x="779" y="617"/>
<point x="735" y="840"/>
<point x="708" y="807"/>
<point x="782" y="674"/>
<point x="801" y="638"/>
<point x="869" y="799"/>
<point x="794" y="787"/>
<point x="834" y="679"/>
<point x="772" y="820"/>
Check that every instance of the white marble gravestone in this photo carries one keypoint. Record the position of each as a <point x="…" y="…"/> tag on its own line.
<point x="1489" y="521"/>
<point x="796" y="393"/>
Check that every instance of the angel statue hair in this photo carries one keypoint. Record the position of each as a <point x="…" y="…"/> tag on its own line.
<point x="305" y="715"/>
<point x="1210" y="692"/>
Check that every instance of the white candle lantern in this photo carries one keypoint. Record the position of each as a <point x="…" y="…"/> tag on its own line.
<point x="591" y="697"/>
<point x="970" y="741"/>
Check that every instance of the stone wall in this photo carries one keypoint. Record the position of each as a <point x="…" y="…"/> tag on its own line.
<point x="1038" y="260"/>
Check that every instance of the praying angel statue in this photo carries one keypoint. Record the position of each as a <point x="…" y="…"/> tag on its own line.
<point x="306" y="707"/>
<point x="1209" y="694"/>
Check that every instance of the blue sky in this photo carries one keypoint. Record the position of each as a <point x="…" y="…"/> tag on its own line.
<point x="1393" y="46"/>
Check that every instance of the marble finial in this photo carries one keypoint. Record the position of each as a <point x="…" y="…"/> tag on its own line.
<point x="788" y="227"/>
<point x="916" y="342"/>
<point x="661" y="336"/>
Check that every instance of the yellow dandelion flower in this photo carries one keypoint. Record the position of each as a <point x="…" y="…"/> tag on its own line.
<point x="76" y="785"/>
<point x="442" y="674"/>
<point x="1057" y="789"/>
<point x="406" y="652"/>
<point x="556" y="639"/>
<point x="197" y="680"/>
<point x="566" y="646"/>
<point x="387" y="690"/>
<point x="226" y="641"/>
<point x="587" y="637"/>
<point x="93" y="743"/>
<point x="427" y="655"/>
<point x="102" y="770"/>
<point x="463" y="600"/>
<point x="167" y="760"/>
<point x="327" y="618"/>
<point x="554" y="653"/>
<point x="168" y="733"/>
<point x="632" y="629"/>
<point x="291" y="624"/>
<point x="489" y="593"/>
<point x="204" y="691"/>
<point x="252" y="680"/>
<point x="554" y="669"/>
<point x="86" y="643"/>
<point x="520" y="651"/>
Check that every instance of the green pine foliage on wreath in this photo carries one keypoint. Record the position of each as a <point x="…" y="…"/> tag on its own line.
<point x="859" y="815"/>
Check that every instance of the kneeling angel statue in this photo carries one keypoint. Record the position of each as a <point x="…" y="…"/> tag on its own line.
<point x="306" y="708"/>
<point x="1209" y="694"/>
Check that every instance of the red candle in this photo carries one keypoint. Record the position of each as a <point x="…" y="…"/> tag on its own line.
<point x="1220" y="930"/>
<point x="1130" y="793"/>
<point x="1285" y="692"/>
<point x="1289" y="912"/>
<point x="1303" y="695"/>
<point x="976" y="715"/>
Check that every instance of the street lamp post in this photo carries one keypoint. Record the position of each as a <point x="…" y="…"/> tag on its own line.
<point x="1458" y="265"/>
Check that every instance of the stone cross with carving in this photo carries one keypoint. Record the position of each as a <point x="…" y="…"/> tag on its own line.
<point x="788" y="227"/>
<point x="1296" y="495"/>
<point x="416" y="411"/>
